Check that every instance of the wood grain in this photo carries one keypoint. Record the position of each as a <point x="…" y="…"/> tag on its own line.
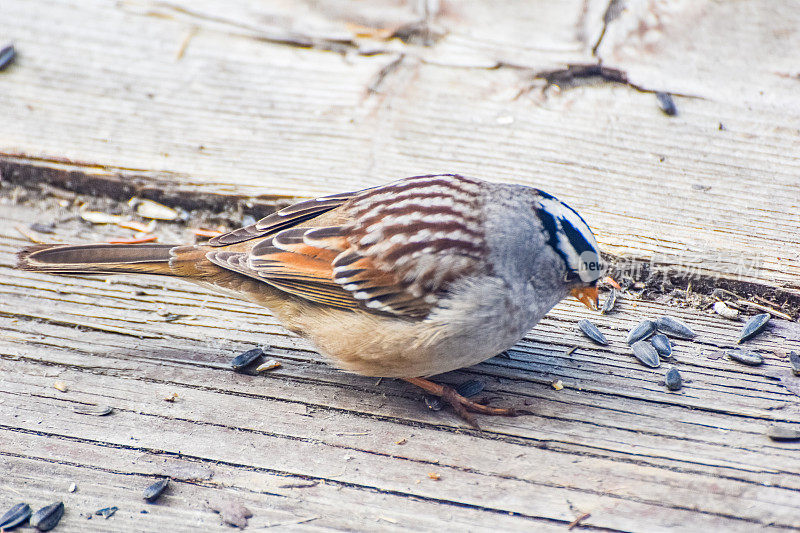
<point x="713" y="190"/>
<point x="614" y="442"/>
<point x="206" y="103"/>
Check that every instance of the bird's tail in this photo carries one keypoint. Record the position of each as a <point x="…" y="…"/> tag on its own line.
<point x="97" y="258"/>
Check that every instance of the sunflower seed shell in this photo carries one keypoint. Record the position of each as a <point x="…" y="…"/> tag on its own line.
<point x="470" y="388"/>
<point x="794" y="360"/>
<point x="662" y="345"/>
<point x="107" y="512"/>
<point x="674" y="327"/>
<point x="591" y="331"/>
<point x="673" y="379"/>
<point x="244" y="360"/>
<point x="94" y="410"/>
<point x="48" y="517"/>
<point x="7" y="55"/>
<point x="645" y="353"/>
<point x="15" y="516"/>
<point x="745" y="356"/>
<point x="667" y="104"/>
<point x="783" y="433"/>
<point x="153" y="492"/>
<point x="644" y="329"/>
<point x="611" y="301"/>
<point x="753" y="326"/>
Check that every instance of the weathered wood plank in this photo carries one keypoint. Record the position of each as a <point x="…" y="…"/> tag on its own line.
<point x="238" y="114"/>
<point x="613" y="443"/>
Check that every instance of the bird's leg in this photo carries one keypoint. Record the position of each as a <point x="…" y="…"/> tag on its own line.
<point x="464" y="407"/>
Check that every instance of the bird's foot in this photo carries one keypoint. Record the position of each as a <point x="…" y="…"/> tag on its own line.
<point x="464" y="407"/>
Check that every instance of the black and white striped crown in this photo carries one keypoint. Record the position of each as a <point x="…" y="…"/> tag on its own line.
<point x="571" y="238"/>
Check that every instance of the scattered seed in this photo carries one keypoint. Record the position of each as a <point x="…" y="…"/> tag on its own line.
<point x="557" y="384"/>
<point x="94" y="410"/>
<point x="171" y="398"/>
<point x="783" y="433"/>
<point x="98" y="217"/>
<point x="152" y="492"/>
<point x="15" y="516"/>
<point x="42" y="228"/>
<point x="722" y="309"/>
<point x="667" y="104"/>
<point x="611" y="301"/>
<point x="674" y="327"/>
<point x="60" y="386"/>
<point x="73" y="487"/>
<point x="470" y="388"/>
<point x="434" y="476"/>
<point x="745" y="356"/>
<point x="753" y="326"/>
<point x="644" y="329"/>
<point x="673" y="379"/>
<point x="47" y="518"/>
<point x="7" y="56"/>
<point x="646" y="353"/>
<point x="794" y="360"/>
<point x="246" y="359"/>
<point x="401" y="442"/>
<point x="662" y="345"/>
<point x="434" y="403"/>
<point x="154" y="210"/>
<point x="272" y="364"/>
<point x="107" y="512"/>
<point x="591" y="331"/>
<point x="138" y="226"/>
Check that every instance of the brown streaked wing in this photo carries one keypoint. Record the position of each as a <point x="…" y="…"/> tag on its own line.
<point x="282" y="219"/>
<point x="405" y="242"/>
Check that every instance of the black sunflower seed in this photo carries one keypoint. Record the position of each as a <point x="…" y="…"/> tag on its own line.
<point x="152" y="492"/>
<point x="753" y="326"/>
<point x="674" y="327"/>
<point x="643" y="329"/>
<point x="94" y="410"/>
<point x="470" y="388"/>
<point x="611" y="301"/>
<point x="783" y="433"/>
<point x="673" y="379"/>
<point x="591" y="331"/>
<point x="794" y="360"/>
<point x="15" y="516"/>
<point x="667" y="104"/>
<point x="662" y="345"/>
<point x="246" y="359"/>
<point x="745" y="356"/>
<point x="645" y="353"/>
<point x="7" y="55"/>
<point x="107" y="512"/>
<point x="48" y="517"/>
<point x="434" y="403"/>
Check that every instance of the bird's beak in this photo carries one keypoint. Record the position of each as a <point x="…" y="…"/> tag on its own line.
<point x="588" y="296"/>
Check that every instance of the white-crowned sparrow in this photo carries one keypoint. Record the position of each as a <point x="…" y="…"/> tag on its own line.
<point x="410" y="279"/>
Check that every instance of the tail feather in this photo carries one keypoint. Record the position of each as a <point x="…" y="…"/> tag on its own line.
<point x="97" y="258"/>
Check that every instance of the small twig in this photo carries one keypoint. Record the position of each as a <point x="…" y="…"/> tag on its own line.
<point x="764" y="308"/>
<point x="578" y="520"/>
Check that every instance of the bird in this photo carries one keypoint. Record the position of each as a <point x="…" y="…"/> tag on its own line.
<point x="410" y="279"/>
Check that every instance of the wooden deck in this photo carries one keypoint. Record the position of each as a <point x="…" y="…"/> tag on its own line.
<point x="199" y="105"/>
